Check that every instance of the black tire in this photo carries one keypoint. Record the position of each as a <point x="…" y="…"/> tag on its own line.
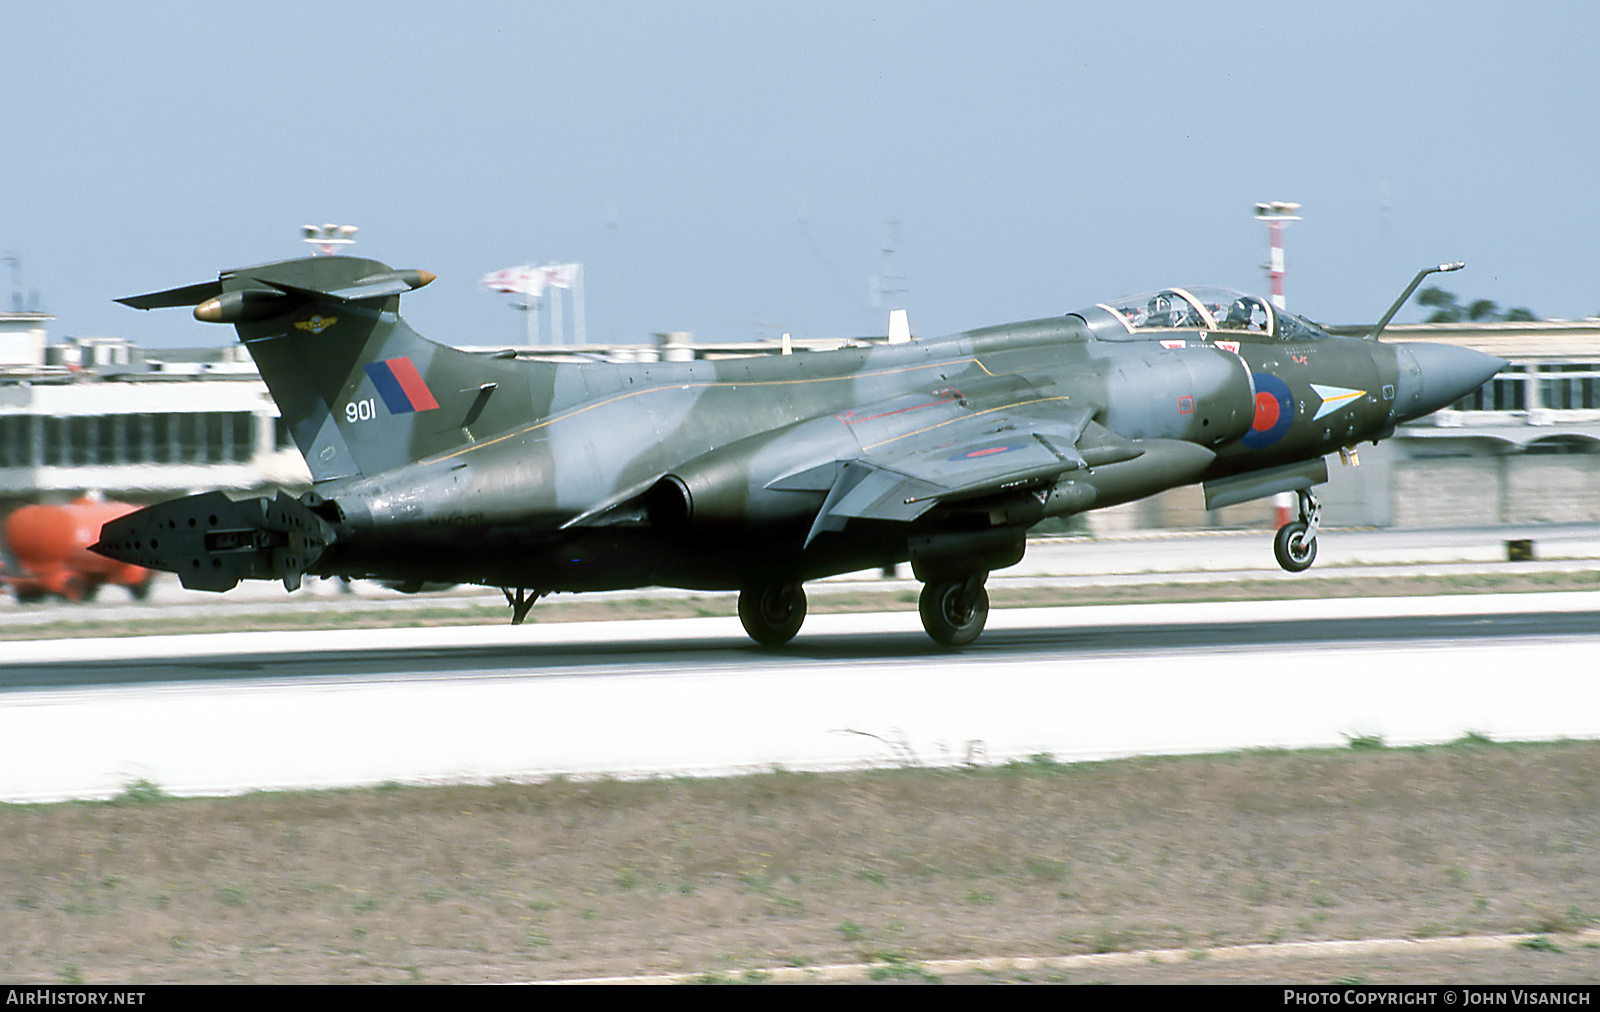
<point x="954" y="611"/>
<point x="1294" y="550"/>
<point x="772" y="614"/>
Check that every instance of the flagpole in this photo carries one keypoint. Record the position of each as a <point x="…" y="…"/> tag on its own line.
<point x="557" y="332"/>
<point x="580" y="331"/>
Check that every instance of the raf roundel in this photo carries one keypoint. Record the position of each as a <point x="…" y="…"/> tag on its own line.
<point x="1274" y="412"/>
<point x="987" y="451"/>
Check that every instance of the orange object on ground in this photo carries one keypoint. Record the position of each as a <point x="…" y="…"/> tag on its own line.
<point x="46" y="551"/>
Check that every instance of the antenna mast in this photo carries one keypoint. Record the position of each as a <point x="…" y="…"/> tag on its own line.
<point x="1275" y="213"/>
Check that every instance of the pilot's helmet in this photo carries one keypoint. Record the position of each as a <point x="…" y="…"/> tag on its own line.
<point x="1158" y="311"/>
<point x="1239" y="313"/>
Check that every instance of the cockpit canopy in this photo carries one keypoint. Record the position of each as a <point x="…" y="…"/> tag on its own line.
<point x="1229" y="313"/>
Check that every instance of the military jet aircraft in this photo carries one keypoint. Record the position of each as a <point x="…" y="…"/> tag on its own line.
<point x="433" y="464"/>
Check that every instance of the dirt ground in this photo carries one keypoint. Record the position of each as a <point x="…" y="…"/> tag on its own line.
<point x="729" y="879"/>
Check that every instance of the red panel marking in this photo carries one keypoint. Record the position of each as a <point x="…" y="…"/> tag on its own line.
<point x="411" y="382"/>
<point x="850" y="417"/>
<point x="1185" y="405"/>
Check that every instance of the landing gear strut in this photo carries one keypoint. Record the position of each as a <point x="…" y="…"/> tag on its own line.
<point x="954" y="611"/>
<point x="772" y="613"/>
<point x="521" y="602"/>
<point x="1296" y="543"/>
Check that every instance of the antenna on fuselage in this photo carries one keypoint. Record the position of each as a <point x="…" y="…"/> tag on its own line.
<point x="899" y="327"/>
<point x="1407" y="294"/>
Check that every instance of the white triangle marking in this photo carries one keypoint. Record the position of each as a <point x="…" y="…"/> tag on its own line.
<point x="1333" y="398"/>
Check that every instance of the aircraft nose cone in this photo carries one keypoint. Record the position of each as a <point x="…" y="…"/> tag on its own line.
<point x="1435" y="375"/>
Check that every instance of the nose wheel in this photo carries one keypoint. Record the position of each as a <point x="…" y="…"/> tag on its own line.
<point x="954" y="611"/>
<point x="1296" y="542"/>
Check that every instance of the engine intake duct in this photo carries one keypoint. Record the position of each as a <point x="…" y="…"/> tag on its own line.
<point x="212" y="542"/>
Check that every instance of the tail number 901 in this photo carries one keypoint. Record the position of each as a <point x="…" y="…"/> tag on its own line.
<point x="361" y="411"/>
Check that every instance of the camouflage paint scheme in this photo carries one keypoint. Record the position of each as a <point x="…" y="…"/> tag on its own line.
<point x="437" y="465"/>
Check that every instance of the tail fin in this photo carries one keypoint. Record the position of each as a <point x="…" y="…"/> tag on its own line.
<point x="360" y="391"/>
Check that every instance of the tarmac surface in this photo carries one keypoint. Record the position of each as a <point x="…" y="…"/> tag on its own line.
<point x="1064" y="562"/>
<point x="200" y="714"/>
<point x="226" y="712"/>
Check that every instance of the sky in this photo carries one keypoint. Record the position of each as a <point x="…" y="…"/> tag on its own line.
<point x="736" y="169"/>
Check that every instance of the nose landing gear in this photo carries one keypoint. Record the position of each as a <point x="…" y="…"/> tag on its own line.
<point x="1296" y="543"/>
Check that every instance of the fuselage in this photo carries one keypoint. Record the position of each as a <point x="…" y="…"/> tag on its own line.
<point x="674" y="473"/>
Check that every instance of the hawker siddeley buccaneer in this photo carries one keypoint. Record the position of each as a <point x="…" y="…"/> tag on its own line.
<point x="438" y="465"/>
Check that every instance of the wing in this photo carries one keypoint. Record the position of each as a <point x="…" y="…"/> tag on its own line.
<point x="969" y="456"/>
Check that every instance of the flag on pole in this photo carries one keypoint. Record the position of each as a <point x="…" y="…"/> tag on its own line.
<point x="561" y="275"/>
<point x="524" y="280"/>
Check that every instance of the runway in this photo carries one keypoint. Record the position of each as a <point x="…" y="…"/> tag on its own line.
<point x="1067" y="564"/>
<point x="231" y="712"/>
<point x="660" y="648"/>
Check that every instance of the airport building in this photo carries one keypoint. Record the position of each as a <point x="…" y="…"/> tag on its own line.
<point x="100" y="414"/>
<point x="1524" y="448"/>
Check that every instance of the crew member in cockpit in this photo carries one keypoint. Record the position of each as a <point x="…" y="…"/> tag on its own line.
<point x="1242" y="315"/>
<point x="1158" y="312"/>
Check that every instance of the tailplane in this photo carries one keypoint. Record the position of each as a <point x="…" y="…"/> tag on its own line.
<point x="360" y="391"/>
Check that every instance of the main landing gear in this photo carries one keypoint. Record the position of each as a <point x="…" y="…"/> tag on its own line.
<point x="772" y="613"/>
<point x="1296" y="543"/>
<point x="521" y="601"/>
<point x="954" y="610"/>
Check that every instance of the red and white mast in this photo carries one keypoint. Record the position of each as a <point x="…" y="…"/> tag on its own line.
<point x="1275" y="213"/>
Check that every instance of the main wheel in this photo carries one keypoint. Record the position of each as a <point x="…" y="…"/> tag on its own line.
<point x="772" y="614"/>
<point x="954" y="611"/>
<point x="1294" y="550"/>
